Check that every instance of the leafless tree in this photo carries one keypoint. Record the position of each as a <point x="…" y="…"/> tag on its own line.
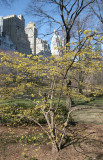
<point x="97" y="9"/>
<point x="62" y="12"/>
<point x="77" y="33"/>
<point x="6" y="2"/>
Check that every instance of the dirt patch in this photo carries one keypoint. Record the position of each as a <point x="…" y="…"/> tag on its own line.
<point x="89" y="145"/>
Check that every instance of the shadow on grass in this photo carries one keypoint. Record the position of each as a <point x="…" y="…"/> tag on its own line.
<point x="98" y="101"/>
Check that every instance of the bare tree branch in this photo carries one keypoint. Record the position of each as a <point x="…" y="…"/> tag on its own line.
<point x="66" y="11"/>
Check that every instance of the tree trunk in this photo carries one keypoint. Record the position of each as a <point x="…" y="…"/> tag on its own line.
<point x="55" y="148"/>
<point x="80" y="82"/>
<point x="80" y="90"/>
<point x="67" y="41"/>
<point x="68" y="102"/>
<point x="68" y="99"/>
<point x="67" y="37"/>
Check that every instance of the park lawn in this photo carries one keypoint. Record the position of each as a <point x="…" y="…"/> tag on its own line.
<point x="15" y="107"/>
<point x="92" y="115"/>
<point x="16" y="102"/>
<point x="97" y="101"/>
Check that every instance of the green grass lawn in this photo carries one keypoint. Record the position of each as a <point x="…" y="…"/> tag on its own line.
<point x="16" y="102"/>
<point x="12" y="108"/>
<point x="97" y="102"/>
<point x="28" y="103"/>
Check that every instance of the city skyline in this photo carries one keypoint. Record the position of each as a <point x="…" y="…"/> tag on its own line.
<point x="18" y="8"/>
<point x="25" y="39"/>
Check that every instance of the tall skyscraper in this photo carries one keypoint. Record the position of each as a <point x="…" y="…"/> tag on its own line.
<point x="42" y="47"/>
<point x="1" y="25"/>
<point x="14" y="27"/>
<point x="31" y="31"/>
<point x="56" y="42"/>
<point x="25" y="40"/>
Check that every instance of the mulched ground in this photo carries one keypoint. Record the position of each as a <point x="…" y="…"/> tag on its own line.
<point x="88" y="145"/>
